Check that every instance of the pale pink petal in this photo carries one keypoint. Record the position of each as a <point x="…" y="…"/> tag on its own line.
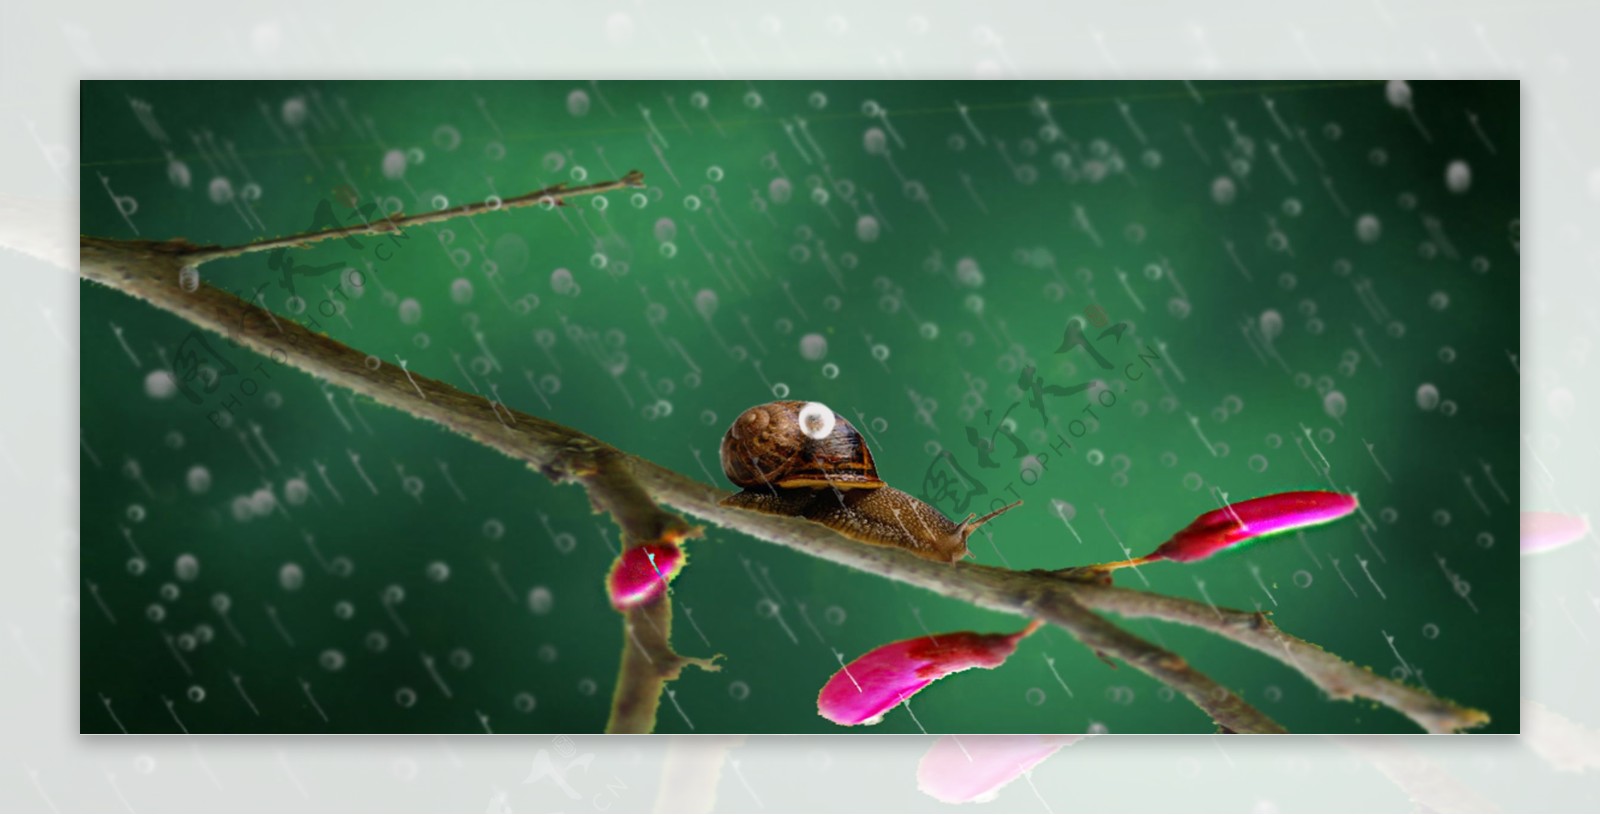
<point x="975" y="768"/>
<point x="1543" y="531"/>
<point x="641" y="574"/>
<point x="1256" y="518"/>
<point x="863" y="691"/>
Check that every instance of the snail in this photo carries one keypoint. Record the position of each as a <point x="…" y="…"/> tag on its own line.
<point x="802" y="460"/>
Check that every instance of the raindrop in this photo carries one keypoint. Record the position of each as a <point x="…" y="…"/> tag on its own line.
<point x="578" y="103"/>
<point x="220" y="190"/>
<point x="1427" y="396"/>
<point x="780" y="190"/>
<point x="1398" y="92"/>
<point x="1458" y="177"/>
<point x="1333" y="403"/>
<point x="1368" y="229"/>
<point x="296" y="491"/>
<point x="159" y="384"/>
<point x="540" y="600"/>
<point x="867" y="229"/>
<point x="187" y="568"/>
<point x="1271" y="325"/>
<point x="291" y="577"/>
<point x="813" y="347"/>
<point x="394" y="165"/>
<point x="198" y="479"/>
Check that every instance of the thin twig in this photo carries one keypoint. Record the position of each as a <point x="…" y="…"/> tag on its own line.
<point x="151" y="271"/>
<point x="553" y="195"/>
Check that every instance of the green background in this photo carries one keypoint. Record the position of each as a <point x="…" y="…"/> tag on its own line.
<point x="634" y="352"/>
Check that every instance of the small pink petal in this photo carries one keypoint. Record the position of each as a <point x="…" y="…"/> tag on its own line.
<point x="642" y="573"/>
<point x="975" y="768"/>
<point x="1543" y="531"/>
<point x="1258" y="517"/>
<point x="864" y="690"/>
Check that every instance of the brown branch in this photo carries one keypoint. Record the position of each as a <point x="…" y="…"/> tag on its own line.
<point x="1224" y="707"/>
<point x="1340" y="679"/>
<point x="553" y="195"/>
<point x="648" y="661"/>
<point x="624" y="484"/>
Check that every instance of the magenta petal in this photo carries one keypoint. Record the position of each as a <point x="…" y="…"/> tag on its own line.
<point x="864" y="690"/>
<point x="1543" y="531"/>
<point x="976" y="768"/>
<point x="1268" y="515"/>
<point x="642" y="573"/>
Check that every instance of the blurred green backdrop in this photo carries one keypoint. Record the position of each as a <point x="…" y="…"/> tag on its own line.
<point x="1329" y="269"/>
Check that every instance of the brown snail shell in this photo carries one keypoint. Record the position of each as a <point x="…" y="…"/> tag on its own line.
<point x="788" y="445"/>
<point x="793" y="459"/>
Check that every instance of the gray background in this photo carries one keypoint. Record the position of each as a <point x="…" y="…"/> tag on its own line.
<point x="44" y="765"/>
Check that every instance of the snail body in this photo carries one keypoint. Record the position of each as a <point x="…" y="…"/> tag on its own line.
<point x="802" y="460"/>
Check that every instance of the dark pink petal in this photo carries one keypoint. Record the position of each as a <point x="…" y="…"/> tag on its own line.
<point x="1543" y="531"/>
<point x="1248" y="520"/>
<point x="975" y="768"/>
<point x="864" y="690"/>
<point x="642" y="573"/>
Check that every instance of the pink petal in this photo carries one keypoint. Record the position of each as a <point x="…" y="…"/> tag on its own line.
<point x="641" y="574"/>
<point x="1258" y="517"/>
<point x="976" y="768"/>
<point x="1543" y="531"/>
<point x="864" y="690"/>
